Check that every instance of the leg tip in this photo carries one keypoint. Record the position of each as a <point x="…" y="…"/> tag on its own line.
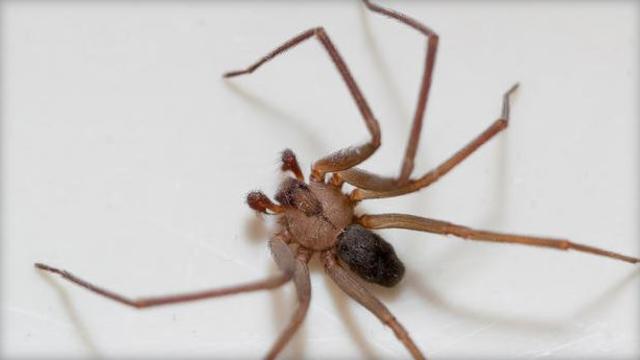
<point x="230" y="74"/>
<point x="505" y="101"/>
<point x="512" y="89"/>
<point x="45" y="267"/>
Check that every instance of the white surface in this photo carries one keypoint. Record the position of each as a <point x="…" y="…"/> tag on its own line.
<point x="126" y="161"/>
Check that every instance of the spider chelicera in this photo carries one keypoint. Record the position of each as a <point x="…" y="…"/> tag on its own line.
<point x="317" y="217"/>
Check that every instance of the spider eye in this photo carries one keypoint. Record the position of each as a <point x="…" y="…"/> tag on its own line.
<point x="369" y="256"/>
<point x="296" y="193"/>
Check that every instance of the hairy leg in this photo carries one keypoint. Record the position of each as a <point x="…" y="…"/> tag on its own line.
<point x="379" y="187"/>
<point x="352" y="287"/>
<point x="410" y="222"/>
<point x="145" y="302"/>
<point x="290" y="163"/>
<point x="260" y="202"/>
<point x="293" y="268"/>
<point x="281" y="254"/>
<point x="425" y="86"/>
<point x="348" y="157"/>
<point x="303" y="291"/>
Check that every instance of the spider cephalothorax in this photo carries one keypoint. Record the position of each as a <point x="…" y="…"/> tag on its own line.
<point x="318" y="217"/>
<point x="314" y="214"/>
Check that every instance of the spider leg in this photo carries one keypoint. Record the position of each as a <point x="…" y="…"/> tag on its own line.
<point x="282" y="258"/>
<point x="352" y="287"/>
<point x="402" y="221"/>
<point x="290" y="163"/>
<point x="381" y="187"/>
<point x="425" y="85"/>
<point x="303" y="291"/>
<point x="376" y="186"/>
<point x="145" y="302"/>
<point x="260" y="202"/>
<point x="345" y="158"/>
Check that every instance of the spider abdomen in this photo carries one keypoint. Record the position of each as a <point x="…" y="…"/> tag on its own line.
<point x="370" y="256"/>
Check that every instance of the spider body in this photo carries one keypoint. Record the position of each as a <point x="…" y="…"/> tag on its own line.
<point x="318" y="218"/>
<point x="314" y="214"/>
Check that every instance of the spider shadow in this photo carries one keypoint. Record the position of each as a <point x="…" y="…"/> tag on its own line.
<point x="392" y="90"/>
<point x="284" y="302"/>
<point x="420" y="286"/>
<point x="280" y="117"/>
<point x="79" y="325"/>
<point x="255" y="228"/>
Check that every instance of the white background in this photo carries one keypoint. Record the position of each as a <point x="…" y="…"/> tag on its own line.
<point x="126" y="159"/>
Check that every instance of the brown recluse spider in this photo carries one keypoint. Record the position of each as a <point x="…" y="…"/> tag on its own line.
<point x="317" y="217"/>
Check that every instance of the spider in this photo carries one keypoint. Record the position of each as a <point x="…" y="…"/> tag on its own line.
<point x="318" y="217"/>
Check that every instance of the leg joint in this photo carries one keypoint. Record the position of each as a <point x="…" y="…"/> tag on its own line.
<point x="319" y="31"/>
